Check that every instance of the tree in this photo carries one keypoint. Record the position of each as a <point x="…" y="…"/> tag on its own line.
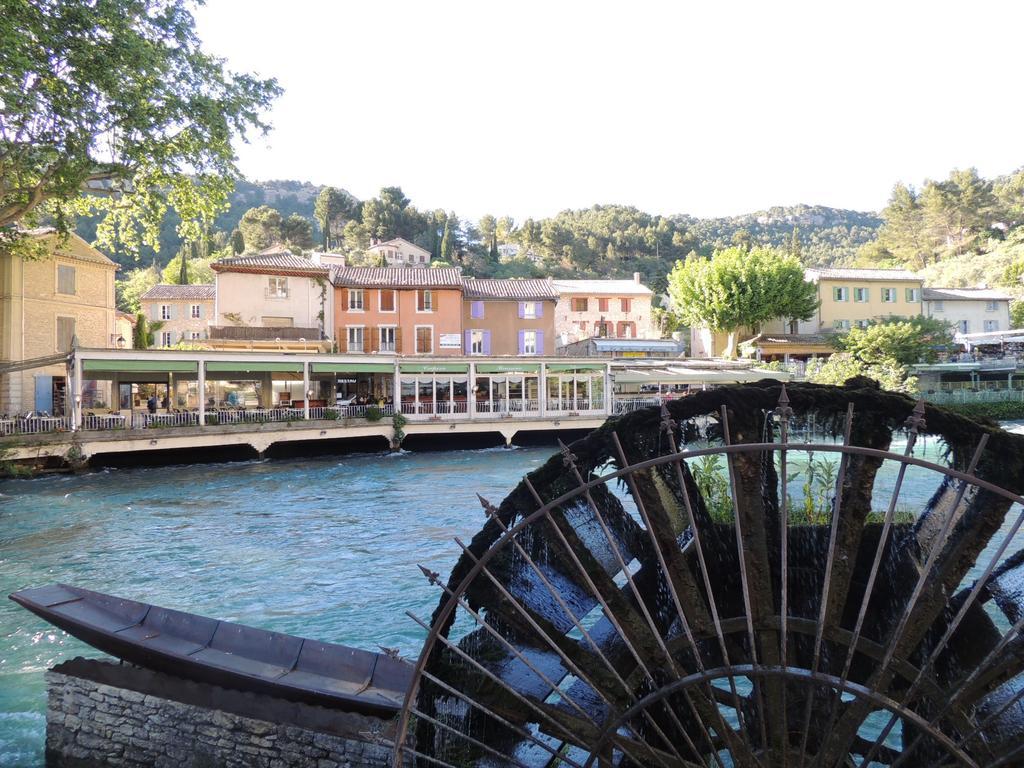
<point x="447" y="248"/>
<point x="737" y="289"/>
<point x="332" y="209"/>
<point x="237" y="241"/>
<point x="140" y="333"/>
<point x="795" y="249"/>
<point x="260" y="228"/>
<point x="842" y="366"/>
<point x="119" y="100"/>
<point x="896" y="341"/>
<point x="297" y="232"/>
<point x="1017" y="314"/>
<point x="133" y="285"/>
<point x="199" y="271"/>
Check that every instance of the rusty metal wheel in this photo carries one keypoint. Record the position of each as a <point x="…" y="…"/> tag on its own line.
<point x="630" y="604"/>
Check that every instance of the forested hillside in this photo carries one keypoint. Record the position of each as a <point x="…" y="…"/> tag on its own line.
<point x="961" y="231"/>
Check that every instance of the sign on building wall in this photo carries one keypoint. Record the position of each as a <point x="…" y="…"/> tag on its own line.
<point x="451" y="341"/>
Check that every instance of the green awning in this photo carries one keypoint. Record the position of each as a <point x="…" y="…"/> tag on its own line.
<point x="508" y="368"/>
<point x="576" y="366"/>
<point x="435" y="368"/>
<point x="139" y="366"/>
<point x="250" y="367"/>
<point x="353" y="368"/>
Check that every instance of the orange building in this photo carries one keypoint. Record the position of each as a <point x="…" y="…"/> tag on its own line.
<point x="406" y="311"/>
<point x="509" y="317"/>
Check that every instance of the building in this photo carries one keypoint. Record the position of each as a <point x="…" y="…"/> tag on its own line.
<point x="969" y="310"/>
<point x="624" y="348"/>
<point x="45" y="305"/>
<point x="509" y="317"/>
<point x="619" y="309"/>
<point x="272" y="299"/>
<point x="406" y="311"/>
<point x="849" y="298"/>
<point x="179" y="313"/>
<point x="399" y="252"/>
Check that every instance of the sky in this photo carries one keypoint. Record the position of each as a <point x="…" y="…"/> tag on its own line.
<point x="709" y="108"/>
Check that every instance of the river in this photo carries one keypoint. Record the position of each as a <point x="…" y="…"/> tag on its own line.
<point x="326" y="548"/>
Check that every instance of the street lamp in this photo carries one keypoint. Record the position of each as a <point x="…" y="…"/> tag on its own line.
<point x="120" y="342"/>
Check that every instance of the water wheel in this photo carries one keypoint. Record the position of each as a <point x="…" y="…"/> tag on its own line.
<point x="712" y="585"/>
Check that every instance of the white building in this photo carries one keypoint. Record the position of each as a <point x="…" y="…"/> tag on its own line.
<point x="399" y="252"/>
<point x="969" y="310"/>
<point x="616" y="309"/>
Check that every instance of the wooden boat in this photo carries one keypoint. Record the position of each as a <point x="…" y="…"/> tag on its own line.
<point x="225" y="654"/>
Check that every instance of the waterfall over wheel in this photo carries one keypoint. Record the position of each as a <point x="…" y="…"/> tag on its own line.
<point x="747" y="577"/>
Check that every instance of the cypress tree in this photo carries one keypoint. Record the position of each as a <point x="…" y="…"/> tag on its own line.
<point x="446" y="243"/>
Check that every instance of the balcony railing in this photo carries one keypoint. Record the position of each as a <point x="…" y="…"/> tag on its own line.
<point x="259" y="333"/>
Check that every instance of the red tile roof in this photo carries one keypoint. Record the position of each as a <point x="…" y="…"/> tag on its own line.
<point x="198" y="292"/>
<point x="513" y="289"/>
<point x="277" y="263"/>
<point x="397" y="277"/>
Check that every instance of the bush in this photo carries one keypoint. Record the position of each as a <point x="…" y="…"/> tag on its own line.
<point x="373" y="413"/>
<point x="330" y="414"/>
<point x="212" y="419"/>
<point x="1008" y="410"/>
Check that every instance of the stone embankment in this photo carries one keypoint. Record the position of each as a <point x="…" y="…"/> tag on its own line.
<point x="102" y="714"/>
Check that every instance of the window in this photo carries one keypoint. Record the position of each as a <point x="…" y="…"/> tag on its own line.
<point x="624" y="304"/>
<point x="65" y="333"/>
<point x="840" y="294"/>
<point x="277" y="287"/>
<point x="424" y="339"/>
<point x="387" y="338"/>
<point x="423" y="259"/>
<point x="625" y="330"/>
<point x="355" y="338"/>
<point x="529" y="310"/>
<point x="990" y="306"/>
<point x="602" y="305"/>
<point x="913" y="295"/>
<point x="889" y="295"/>
<point x="991" y="325"/>
<point x="65" y="279"/>
<point x="476" y="342"/>
<point x="963" y="326"/>
<point x="840" y="325"/>
<point x="939" y="306"/>
<point x="579" y="305"/>
<point x="860" y="295"/>
<point x="355" y="299"/>
<point x="862" y="324"/>
<point x="195" y="311"/>
<point x="194" y="335"/>
<point x="165" y="339"/>
<point x="529" y="342"/>
<point x="424" y="301"/>
<point x="165" y="312"/>
<point x="387" y="301"/>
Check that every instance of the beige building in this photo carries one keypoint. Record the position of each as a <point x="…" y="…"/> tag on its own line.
<point x="969" y="310"/>
<point x="399" y="252"/>
<point x="509" y="317"/>
<point x="273" y="299"/>
<point x="179" y="313"/>
<point x="619" y="309"/>
<point x="45" y="304"/>
<point x="851" y="298"/>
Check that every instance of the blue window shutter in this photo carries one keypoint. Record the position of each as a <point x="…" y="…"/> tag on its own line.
<point x="476" y="310"/>
<point x="522" y="335"/>
<point x="469" y="342"/>
<point x="522" y="310"/>
<point x="487" y="342"/>
<point x="540" y="342"/>
<point x="540" y="308"/>
<point x="202" y="311"/>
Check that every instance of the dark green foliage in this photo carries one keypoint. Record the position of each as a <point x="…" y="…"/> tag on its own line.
<point x="140" y="334"/>
<point x="261" y="228"/>
<point x="237" y="241"/>
<point x="297" y="233"/>
<point x="900" y="340"/>
<point x="1008" y="410"/>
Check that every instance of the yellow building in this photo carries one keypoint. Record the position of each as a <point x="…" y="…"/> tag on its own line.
<point x="45" y="303"/>
<point x="851" y="298"/>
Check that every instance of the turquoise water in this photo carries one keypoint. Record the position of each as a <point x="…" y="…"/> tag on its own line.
<point x="326" y="548"/>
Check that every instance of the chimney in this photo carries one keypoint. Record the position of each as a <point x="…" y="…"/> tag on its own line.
<point x="636" y="278"/>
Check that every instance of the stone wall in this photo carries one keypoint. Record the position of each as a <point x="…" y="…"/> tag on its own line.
<point x="104" y="714"/>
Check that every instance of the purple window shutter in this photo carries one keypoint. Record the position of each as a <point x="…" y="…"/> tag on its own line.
<point x="540" y="308"/>
<point x="522" y="341"/>
<point x="487" y="342"/>
<point x="540" y="343"/>
<point x="469" y="342"/>
<point x="522" y="310"/>
<point x="476" y="310"/>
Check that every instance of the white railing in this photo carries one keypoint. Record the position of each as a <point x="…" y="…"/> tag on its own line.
<point x="158" y="420"/>
<point x="101" y="421"/>
<point x="34" y="425"/>
<point x="970" y="396"/>
<point x="574" y="405"/>
<point x="512" y="407"/>
<point x="442" y="409"/>
<point x="629" y="404"/>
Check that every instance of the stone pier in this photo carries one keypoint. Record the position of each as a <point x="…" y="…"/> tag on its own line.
<point x="102" y="713"/>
